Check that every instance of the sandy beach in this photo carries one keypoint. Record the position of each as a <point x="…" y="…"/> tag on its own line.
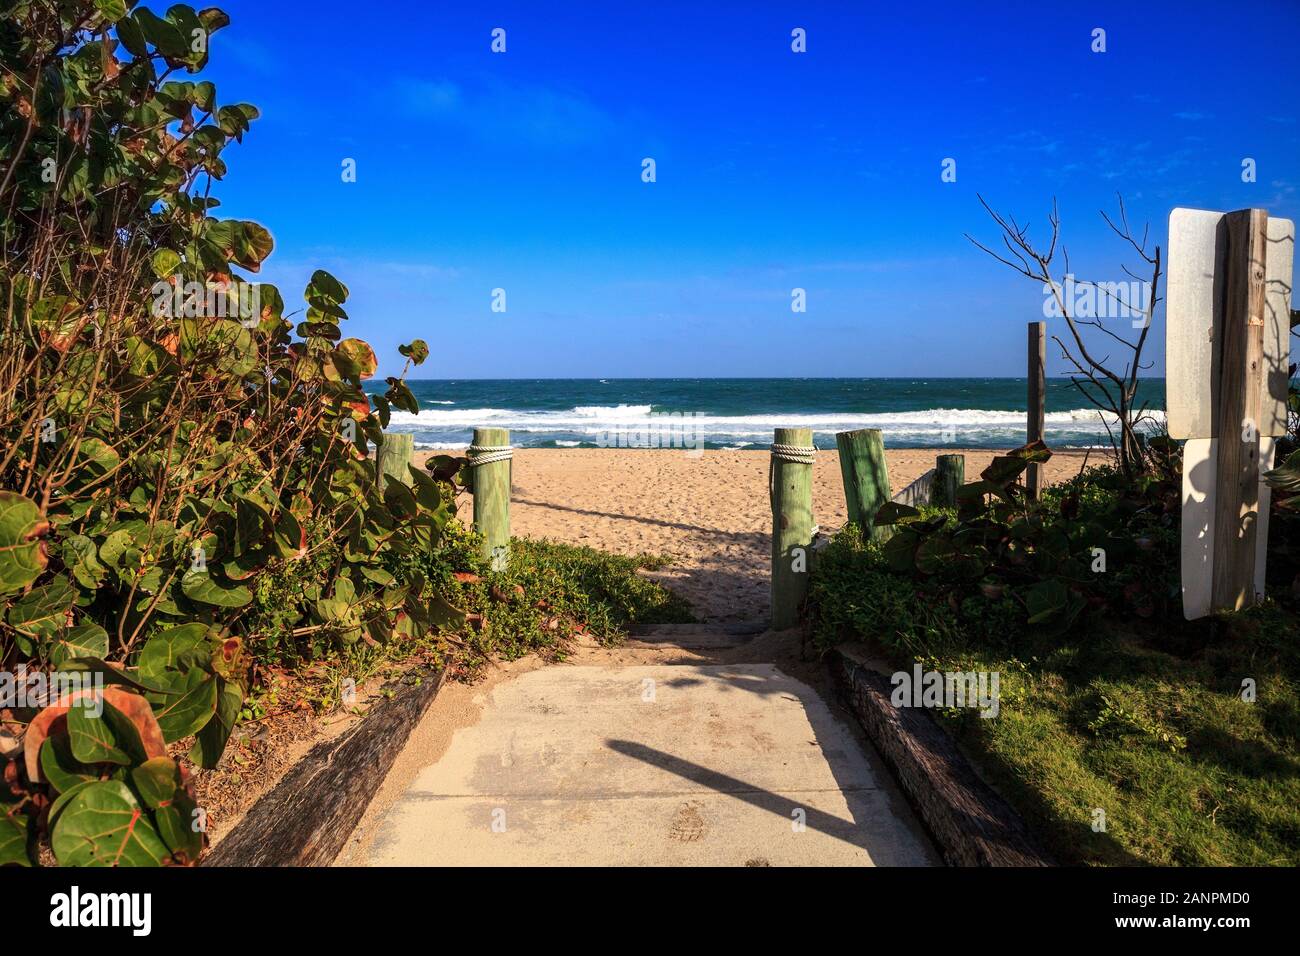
<point x="709" y="513"/>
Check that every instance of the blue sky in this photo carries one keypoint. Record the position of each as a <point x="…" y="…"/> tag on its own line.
<point x="775" y="170"/>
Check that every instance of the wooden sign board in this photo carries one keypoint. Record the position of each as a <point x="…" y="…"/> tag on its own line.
<point x="1208" y="284"/>
<point x="1194" y="319"/>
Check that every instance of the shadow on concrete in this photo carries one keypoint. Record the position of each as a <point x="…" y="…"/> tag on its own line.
<point x="888" y="840"/>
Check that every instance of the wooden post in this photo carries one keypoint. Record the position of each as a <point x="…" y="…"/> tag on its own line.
<point x="790" y="491"/>
<point x="1037" y="391"/>
<point x="492" y="493"/>
<point x="392" y="458"/>
<point x="866" y="478"/>
<point x="949" y="475"/>
<point x="1238" y="405"/>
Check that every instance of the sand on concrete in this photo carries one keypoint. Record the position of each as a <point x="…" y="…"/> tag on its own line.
<point x="708" y="510"/>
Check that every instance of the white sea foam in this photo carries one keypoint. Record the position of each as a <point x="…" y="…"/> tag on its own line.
<point x="588" y="420"/>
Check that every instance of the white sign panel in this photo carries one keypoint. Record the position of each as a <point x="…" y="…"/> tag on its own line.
<point x="1194" y="315"/>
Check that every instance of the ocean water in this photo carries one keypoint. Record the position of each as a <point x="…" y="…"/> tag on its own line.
<point x="741" y="413"/>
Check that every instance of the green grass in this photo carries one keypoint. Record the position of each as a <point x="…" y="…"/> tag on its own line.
<point x="1143" y="719"/>
<point x="551" y="592"/>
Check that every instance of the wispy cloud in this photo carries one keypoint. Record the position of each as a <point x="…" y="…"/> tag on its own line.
<point x="539" y="115"/>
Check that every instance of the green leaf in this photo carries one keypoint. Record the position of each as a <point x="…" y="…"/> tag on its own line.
<point x="1286" y="476"/>
<point x="211" y="740"/>
<point x="93" y="739"/>
<point x="104" y="825"/>
<point x="175" y="823"/>
<point x="400" y="395"/>
<point x="172" y="652"/>
<point x="892" y="512"/>
<point x="58" y="806"/>
<point x="1045" y="599"/>
<point x="42" y="613"/>
<point x="325" y="286"/>
<point x="205" y="95"/>
<point x="165" y="262"/>
<point x="156" y="781"/>
<point x="22" y="553"/>
<point x="934" y="554"/>
<point x="417" y="351"/>
<point x="399" y="500"/>
<point x="111" y="10"/>
<point x="81" y="558"/>
<point x="185" y="713"/>
<point x="60" y="767"/>
<point x="213" y="19"/>
<point x="111" y="674"/>
<point x="1035" y="451"/>
<point x="203" y="587"/>
<point x="360" y="355"/>
<point x="163" y="34"/>
<point x="899" y="552"/>
<point x="132" y="37"/>
<point x="1004" y="469"/>
<point x="13" y="840"/>
<point x="253" y="243"/>
<point x="445" y="615"/>
<point x="83" y="640"/>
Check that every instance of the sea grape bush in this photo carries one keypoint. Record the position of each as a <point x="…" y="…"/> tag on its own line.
<point x="1101" y="542"/>
<point x="157" y="462"/>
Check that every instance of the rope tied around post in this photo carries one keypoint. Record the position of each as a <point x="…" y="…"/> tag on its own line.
<point x="487" y="454"/>
<point x="799" y="454"/>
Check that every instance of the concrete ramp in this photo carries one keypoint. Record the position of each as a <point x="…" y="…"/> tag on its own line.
<point x="722" y="765"/>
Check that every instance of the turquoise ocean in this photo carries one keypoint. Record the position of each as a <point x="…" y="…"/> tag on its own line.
<point x="741" y="413"/>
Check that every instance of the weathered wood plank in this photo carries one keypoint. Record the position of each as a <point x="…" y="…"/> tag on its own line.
<point x="969" y="822"/>
<point x="1237" y="406"/>
<point x="309" y="815"/>
<point x="918" y="493"/>
<point x="1037" y="417"/>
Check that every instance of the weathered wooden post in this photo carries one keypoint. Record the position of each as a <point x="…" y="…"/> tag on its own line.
<point x="1226" y="348"/>
<point x="790" y="492"/>
<point x="392" y="458"/>
<point x="1037" y="401"/>
<point x="866" y="478"/>
<point x="949" y="475"/>
<point x="1237" y="411"/>
<point x="490" y="456"/>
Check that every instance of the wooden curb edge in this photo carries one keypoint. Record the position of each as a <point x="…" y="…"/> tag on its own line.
<point x="969" y="823"/>
<point x="307" y="818"/>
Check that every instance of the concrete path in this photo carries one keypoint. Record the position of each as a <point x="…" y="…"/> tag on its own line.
<point x="662" y="764"/>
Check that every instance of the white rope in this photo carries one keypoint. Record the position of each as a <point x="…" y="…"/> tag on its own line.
<point x="487" y="454"/>
<point x="799" y="454"/>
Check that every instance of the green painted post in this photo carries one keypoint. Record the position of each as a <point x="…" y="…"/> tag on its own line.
<point x="949" y="475"/>
<point x="490" y="456"/>
<point x="393" y="457"/>
<point x="790" y="491"/>
<point x="866" y="478"/>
